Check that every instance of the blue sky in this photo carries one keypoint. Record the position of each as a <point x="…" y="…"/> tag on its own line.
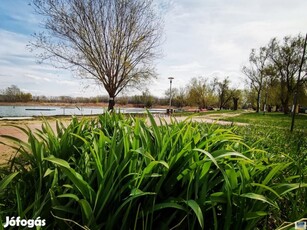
<point x="209" y="38"/>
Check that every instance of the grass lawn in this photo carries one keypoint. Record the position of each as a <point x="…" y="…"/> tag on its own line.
<point x="271" y="132"/>
<point x="270" y="120"/>
<point x="189" y="113"/>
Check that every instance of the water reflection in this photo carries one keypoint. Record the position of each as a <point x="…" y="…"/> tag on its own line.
<point x="29" y="111"/>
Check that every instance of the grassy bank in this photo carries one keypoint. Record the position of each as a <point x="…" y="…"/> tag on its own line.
<point x="271" y="120"/>
<point x="115" y="172"/>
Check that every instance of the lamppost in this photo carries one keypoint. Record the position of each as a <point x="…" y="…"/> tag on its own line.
<point x="170" y="93"/>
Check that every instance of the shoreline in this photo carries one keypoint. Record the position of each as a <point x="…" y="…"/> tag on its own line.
<point x="33" y="103"/>
<point x="22" y="111"/>
<point x="98" y="108"/>
<point x="99" y="104"/>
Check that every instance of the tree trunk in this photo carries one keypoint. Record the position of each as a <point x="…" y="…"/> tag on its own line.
<point x="235" y="103"/>
<point x="111" y="103"/>
<point x="221" y="101"/>
<point x="285" y="105"/>
<point x="258" y="101"/>
<point x="269" y="108"/>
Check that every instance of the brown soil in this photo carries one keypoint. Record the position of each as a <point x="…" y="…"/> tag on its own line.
<point x="7" y="128"/>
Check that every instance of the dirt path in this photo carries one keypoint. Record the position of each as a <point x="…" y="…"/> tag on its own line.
<point x="206" y="118"/>
<point x="221" y="115"/>
<point x="6" y="128"/>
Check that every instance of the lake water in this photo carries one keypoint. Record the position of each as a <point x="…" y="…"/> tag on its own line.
<point x="30" y="111"/>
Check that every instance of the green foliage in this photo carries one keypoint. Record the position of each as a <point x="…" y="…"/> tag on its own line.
<point x="270" y="132"/>
<point x="200" y="93"/>
<point x="115" y="172"/>
<point x="224" y="93"/>
<point x="273" y="73"/>
<point x="270" y="120"/>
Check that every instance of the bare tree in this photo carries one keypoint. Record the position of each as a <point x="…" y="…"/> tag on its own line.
<point x="256" y="71"/>
<point x="112" y="42"/>
<point x="14" y="94"/>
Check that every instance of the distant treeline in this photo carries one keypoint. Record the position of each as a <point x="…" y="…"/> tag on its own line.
<point x="199" y="92"/>
<point x="14" y="94"/>
<point x="143" y="100"/>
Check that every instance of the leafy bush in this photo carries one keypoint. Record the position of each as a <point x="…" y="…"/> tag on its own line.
<point x="115" y="172"/>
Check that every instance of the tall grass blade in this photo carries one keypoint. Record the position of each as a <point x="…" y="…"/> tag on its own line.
<point x="4" y="182"/>
<point x="197" y="210"/>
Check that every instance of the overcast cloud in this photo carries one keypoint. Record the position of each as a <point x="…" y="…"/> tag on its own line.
<point x="206" y="38"/>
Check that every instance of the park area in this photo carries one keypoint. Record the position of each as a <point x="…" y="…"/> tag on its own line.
<point x="210" y="170"/>
<point x="153" y="115"/>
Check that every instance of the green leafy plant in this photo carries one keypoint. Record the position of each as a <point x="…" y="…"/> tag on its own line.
<point x="117" y="172"/>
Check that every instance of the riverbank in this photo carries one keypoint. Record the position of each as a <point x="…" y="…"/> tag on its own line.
<point x="98" y="105"/>
<point x="35" y="109"/>
<point x="34" y="103"/>
<point x="62" y="104"/>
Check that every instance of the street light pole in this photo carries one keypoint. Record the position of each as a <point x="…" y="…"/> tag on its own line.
<point x="170" y="93"/>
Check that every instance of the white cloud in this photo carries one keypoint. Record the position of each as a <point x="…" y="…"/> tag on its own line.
<point x="65" y="82"/>
<point x="202" y="38"/>
<point x="209" y="37"/>
<point x="37" y="78"/>
<point x="13" y="44"/>
<point x="18" y="66"/>
<point x="189" y="67"/>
